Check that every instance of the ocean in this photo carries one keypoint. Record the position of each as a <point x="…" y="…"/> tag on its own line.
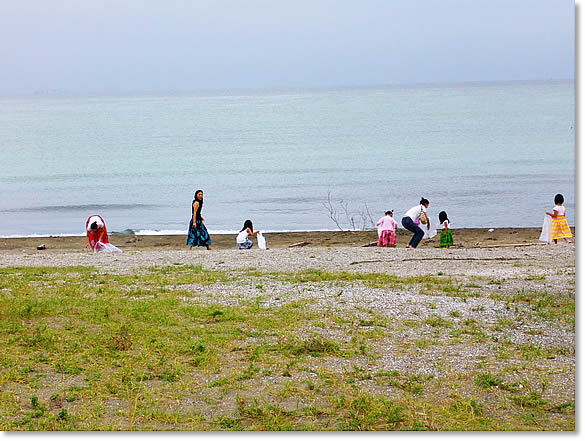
<point x="489" y="154"/>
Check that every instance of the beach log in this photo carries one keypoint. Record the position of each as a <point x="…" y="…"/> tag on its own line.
<point x="365" y="261"/>
<point x="509" y="245"/>
<point x="298" y="244"/>
<point x="462" y="258"/>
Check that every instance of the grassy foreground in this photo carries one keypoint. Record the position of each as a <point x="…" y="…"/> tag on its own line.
<point x="82" y="350"/>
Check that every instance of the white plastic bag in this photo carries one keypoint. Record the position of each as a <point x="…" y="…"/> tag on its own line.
<point x="101" y="247"/>
<point x="545" y="235"/>
<point x="429" y="232"/>
<point x="261" y="241"/>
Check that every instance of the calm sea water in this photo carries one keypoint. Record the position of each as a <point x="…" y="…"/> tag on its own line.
<point x="491" y="155"/>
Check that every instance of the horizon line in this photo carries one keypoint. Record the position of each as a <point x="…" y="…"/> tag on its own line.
<point x="55" y="92"/>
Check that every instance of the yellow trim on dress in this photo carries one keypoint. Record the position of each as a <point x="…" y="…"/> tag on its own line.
<point x="560" y="228"/>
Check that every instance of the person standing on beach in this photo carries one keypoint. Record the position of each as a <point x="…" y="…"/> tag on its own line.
<point x="197" y="235"/>
<point x="560" y="227"/>
<point x="416" y="213"/>
<point x="387" y="226"/>
<point x="446" y="235"/>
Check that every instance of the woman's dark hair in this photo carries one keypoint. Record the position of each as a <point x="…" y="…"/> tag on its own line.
<point x="248" y="224"/>
<point x="389" y="212"/>
<point x="443" y="217"/>
<point x="93" y="226"/>
<point x="423" y="201"/>
<point x="559" y="199"/>
<point x="200" y="201"/>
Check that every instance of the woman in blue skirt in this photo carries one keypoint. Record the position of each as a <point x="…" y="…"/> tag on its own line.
<point x="198" y="235"/>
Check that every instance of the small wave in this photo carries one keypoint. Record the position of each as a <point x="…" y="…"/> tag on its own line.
<point x="178" y="232"/>
<point x="184" y="232"/>
<point x="130" y="232"/>
<point x="160" y="232"/>
<point x="27" y="236"/>
<point x="86" y="207"/>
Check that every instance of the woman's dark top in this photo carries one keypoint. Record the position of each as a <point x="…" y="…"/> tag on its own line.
<point x="198" y="213"/>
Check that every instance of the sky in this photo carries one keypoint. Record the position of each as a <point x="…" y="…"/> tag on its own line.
<point x="185" y="45"/>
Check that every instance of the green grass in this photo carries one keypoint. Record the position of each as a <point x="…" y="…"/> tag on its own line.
<point x="558" y="306"/>
<point x="432" y="285"/>
<point x="83" y="350"/>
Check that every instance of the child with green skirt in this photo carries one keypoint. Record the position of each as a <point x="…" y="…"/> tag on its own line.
<point x="446" y="235"/>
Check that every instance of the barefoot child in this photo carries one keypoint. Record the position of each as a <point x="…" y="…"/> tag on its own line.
<point x="387" y="226"/>
<point x="559" y="227"/>
<point x="446" y="235"/>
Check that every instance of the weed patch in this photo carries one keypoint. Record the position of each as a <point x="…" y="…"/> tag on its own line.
<point x="86" y="350"/>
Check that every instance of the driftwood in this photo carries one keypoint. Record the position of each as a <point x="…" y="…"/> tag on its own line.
<point x="298" y="244"/>
<point x="366" y="261"/>
<point x="463" y="258"/>
<point x="509" y="245"/>
<point x="371" y="244"/>
<point x="456" y="259"/>
<point x="439" y="258"/>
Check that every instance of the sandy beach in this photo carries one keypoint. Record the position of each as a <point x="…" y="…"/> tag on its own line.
<point x="465" y="238"/>
<point x="506" y="252"/>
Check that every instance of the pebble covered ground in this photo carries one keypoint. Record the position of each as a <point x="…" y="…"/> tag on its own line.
<point x="492" y="275"/>
<point x="494" y="262"/>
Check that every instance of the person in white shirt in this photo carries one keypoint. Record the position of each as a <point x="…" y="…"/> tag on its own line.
<point x="416" y="213"/>
<point x="242" y="241"/>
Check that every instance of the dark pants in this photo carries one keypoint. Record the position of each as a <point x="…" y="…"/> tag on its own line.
<point x="411" y="226"/>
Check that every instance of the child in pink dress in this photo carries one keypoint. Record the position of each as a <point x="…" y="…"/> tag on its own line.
<point x="387" y="230"/>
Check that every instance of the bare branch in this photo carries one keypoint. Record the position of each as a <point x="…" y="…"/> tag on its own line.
<point x="372" y="223"/>
<point x="357" y="221"/>
<point x="344" y="206"/>
<point x="331" y="211"/>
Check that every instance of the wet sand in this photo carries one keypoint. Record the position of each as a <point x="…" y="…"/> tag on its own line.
<point x="463" y="238"/>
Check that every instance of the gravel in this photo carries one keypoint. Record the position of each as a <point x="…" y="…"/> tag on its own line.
<point x="491" y="274"/>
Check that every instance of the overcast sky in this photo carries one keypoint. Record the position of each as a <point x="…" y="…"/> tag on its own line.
<point x="181" y="45"/>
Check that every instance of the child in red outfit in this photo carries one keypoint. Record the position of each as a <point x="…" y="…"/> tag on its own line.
<point x="96" y="231"/>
